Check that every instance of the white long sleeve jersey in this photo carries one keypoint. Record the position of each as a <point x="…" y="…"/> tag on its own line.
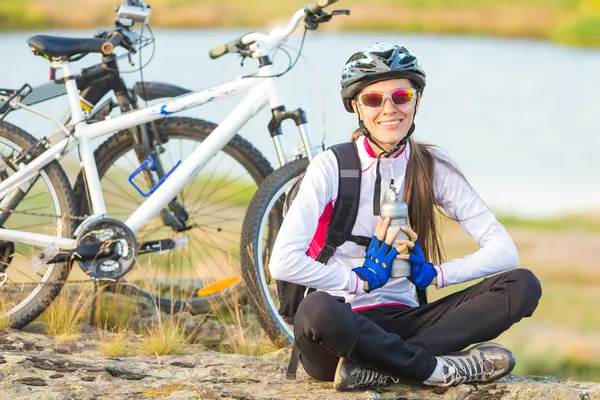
<point x="302" y="233"/>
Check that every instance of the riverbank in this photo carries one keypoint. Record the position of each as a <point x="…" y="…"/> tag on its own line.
<point x="571" y="22"/>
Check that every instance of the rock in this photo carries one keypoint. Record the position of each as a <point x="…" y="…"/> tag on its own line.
<point x="124" y="374"/>
<point x="183" y="364"/>
<point x="206" y="374"/>
<point x="31" y="381"/>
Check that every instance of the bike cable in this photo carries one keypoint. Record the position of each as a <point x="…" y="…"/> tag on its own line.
<point x="140" y="61"/>
<point x="289" y="66"/>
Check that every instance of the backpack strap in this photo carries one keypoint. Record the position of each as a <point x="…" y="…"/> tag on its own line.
<point x="293" y="364"/>
<point x="421" y="296"/>
<point x="345" y="210"/>
<point x="343" y="218"/>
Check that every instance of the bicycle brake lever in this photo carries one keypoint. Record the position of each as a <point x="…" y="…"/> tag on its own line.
<point x="340" y="12"/>
<point x="312" y="20"/>
<point x="130" y="59"/>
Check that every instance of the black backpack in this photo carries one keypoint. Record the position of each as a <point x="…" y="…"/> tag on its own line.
<point x="339" y="231"/>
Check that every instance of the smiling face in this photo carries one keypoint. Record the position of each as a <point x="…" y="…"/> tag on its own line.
<point x="390" y="123"/>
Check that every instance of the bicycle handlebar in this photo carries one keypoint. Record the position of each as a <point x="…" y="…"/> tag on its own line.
<point x="274" y="38"/>
<point x="113" y="41"/>
<point x="115" y="38"/>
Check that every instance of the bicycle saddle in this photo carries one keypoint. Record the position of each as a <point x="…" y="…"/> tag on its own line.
<point x="63" y="47"/>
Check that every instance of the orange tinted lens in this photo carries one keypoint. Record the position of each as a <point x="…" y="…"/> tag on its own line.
<point x="402" y="96"/>
<point x="372" y="99"/>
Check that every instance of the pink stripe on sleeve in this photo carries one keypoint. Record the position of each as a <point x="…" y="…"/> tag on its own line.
<point x="442" y="271"/>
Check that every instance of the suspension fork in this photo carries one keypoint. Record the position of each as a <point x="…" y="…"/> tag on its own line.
<point x="299" y="117"/>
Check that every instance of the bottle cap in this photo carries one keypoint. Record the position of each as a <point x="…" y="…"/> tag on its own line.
<point x="391" y="194"/>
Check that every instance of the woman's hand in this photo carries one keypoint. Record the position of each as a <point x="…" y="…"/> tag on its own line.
<point x="380" y="255"/>
<point x="403" y="244"/>
<point x="423" y="273"/>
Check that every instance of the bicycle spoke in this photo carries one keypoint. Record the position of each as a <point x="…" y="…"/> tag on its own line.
<point x="30" y="226"/>
<point x="216" y="188"/>
<point x="126" y="196"/>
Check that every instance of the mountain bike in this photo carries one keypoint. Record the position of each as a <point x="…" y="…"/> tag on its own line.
<point x="42" y="231"/>
<point x="138" y="143"/>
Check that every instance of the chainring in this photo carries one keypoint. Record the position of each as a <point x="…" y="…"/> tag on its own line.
<point x="113" y="234"/>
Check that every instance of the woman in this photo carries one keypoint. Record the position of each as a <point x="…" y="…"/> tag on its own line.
<point x="381" y="333"/>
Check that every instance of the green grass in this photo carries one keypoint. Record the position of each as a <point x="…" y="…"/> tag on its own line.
<point x="581" y="222"/>
<point x="572" y="22"/>
<point x="584" y="31"/>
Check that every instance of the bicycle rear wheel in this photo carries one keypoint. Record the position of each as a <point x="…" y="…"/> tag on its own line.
<point x="42" y="205"/>
<point x="261" y="225"/>
<point x="215" y="201"/>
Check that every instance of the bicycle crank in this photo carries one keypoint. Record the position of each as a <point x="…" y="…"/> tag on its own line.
<point x="106" y="250"/>
<point x="163" y="246"/>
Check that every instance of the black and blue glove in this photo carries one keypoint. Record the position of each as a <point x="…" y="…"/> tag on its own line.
<point x="378" y="264"/>
<point x="423" y="272"/>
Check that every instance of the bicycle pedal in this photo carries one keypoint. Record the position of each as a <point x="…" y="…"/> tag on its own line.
<point x="41" y="259"/>
<point x="162" y="246"/>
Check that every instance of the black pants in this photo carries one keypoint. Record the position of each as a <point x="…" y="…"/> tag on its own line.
<point x="403" y="341"/>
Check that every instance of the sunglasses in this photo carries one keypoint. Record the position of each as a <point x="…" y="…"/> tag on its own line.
<point x="398" y="97"/>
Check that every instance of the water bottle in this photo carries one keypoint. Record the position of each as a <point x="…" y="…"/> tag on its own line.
<point x="397" y="211"/>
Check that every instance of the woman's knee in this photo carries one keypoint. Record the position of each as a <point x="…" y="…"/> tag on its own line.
<point x="321" y="314"/>
<point x="525" y="291"/>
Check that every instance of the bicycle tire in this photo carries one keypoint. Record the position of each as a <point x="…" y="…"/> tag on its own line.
<point x="171" y="129"/>
<point x="63" y="198"/>
<point x="267" y="208"/>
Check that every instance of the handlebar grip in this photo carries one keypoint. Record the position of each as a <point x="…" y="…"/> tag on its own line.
<point x="225" y="48"/>
<point x="319" y="4"/>
<point x="218" y="51"/>
<point x="111" y="43"/>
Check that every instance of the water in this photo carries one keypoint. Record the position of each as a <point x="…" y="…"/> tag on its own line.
<point x="518" y="117"/>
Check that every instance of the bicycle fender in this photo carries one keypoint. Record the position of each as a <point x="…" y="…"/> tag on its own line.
<point x="157" y="90"/>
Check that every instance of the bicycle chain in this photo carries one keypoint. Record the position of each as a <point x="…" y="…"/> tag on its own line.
<point x="73" y="217"/>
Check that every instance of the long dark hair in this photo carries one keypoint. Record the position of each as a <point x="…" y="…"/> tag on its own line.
<point x="419" y="194"/>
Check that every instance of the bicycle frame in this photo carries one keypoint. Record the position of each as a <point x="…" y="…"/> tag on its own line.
<point x="261" y="90"/>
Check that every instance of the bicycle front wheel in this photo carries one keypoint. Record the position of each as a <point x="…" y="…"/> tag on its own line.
<point x="261" y="226"/>
<point x="211" y="206"/>
<point x="44" y="205"/>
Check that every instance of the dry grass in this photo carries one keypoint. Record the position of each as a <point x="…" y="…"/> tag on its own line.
<point x="115" y="311"/>
<point x="242" y="331"/>
<point x="114" y="343"/>
<point x="65" y="316"/>
<point x="4" y="319"/>
<point x="166" y="335"/>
